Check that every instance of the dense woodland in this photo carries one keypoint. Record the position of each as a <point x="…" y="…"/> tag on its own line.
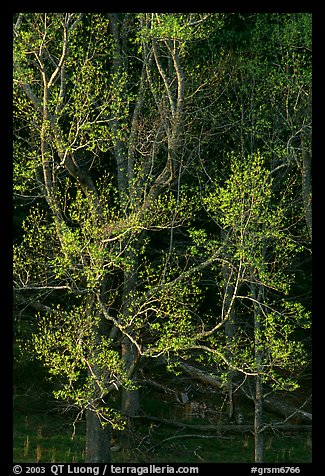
<point x="162" y="221"/>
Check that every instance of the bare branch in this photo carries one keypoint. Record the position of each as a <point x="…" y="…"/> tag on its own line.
<point x="63" y="55"/>
<point x="40" y="288"/>
<point x="164" y="78"/>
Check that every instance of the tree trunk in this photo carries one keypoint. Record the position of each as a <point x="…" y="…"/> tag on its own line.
<point x="229" y="332"/>
<point x="130" y="404"/>
<point x="258" y="422"/>
<point x="306" y="184"/>
<point x="201" y="375"/>
<point x="97" y="440"/>
<point x="220" y="428"/>
<point x="258" y="418"/>
<point x="124" y="161"/>
<point x="130" y="398"/>
<point x="228" y="313"/>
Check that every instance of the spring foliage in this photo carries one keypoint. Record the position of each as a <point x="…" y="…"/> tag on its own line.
<point x="157" y="163"/>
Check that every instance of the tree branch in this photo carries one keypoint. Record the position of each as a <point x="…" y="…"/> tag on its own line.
<point x="164" y="78"/>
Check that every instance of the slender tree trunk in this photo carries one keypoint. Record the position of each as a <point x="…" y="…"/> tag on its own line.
<point x="130" y="398"/>
<point x="230" y="331"/>
<point x="306" y="184"/>
<point x="258" y="421"/>
<point x="97" y="440"/>
<point x="97" y="435"/>
<point x="124" y="160"/>
<point x="229" y="315"/>
<point x="130" y="404"/>
<point x="258" y="401"/>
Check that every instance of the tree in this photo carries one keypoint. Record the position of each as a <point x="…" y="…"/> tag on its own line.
<point x="263" y="105"/>
<point x="260" y="253"/>
<point x="98" y="151"/>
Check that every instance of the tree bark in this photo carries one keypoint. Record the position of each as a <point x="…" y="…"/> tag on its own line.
<point x="200" y="375"/>
<point x="258" y="401"/>
<point x="228" y="314"/>
<point x="306" y="183"/>
<point x="226" y="428"/>
<point x="258" y="422"/>
<point x="124" y="161"/>
<point x="130" y="403"/>
<point x="97" y="440"/>
<point x="130" y="398"/>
